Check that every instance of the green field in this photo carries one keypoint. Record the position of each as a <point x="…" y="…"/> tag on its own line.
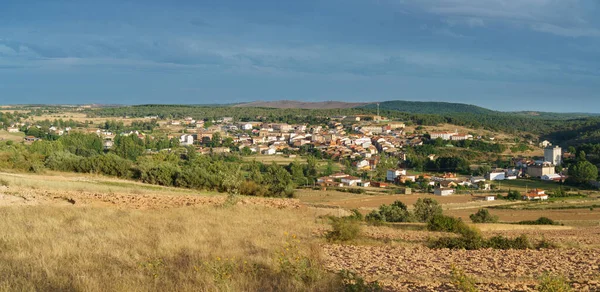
<point x="523" y="184"/>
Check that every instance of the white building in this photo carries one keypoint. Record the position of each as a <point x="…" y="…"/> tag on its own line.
<point x="351" y="180"/>
<point x="443" y="135"/>
<point x="392" y="174"/>
<point x="186" y="140"/>
<point x="13" y="130"/>
<point x="443" y="191"/>
<point x="553" y="155"/>
<point x="246" y="126"/>
<point x="496" y="175"/>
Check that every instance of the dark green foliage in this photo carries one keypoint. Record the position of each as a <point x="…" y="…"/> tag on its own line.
<point x="426" y="209"/>
<point x="539" y="221"/>
<point x="344" y="229"/>
<point x="501" y="242"/>
<point x="582" y="172"/>
<point x="427" y="107"/>
<point x="375" y="217"/>
<point x="446" y="224"/>
<point x="396" y="212"/>
<point x="483" y="216"/>
<point x="513" y="196"/>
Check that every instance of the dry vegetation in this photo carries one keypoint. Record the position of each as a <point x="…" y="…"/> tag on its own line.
<point x="68" y="232"/>
<point x="187" y="249"/>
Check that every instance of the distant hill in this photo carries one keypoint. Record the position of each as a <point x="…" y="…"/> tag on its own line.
<point x="429" y="107"/>
<point x="302" y="104"/>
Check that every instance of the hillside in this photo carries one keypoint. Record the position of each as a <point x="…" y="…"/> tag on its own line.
<point x="301" y="104"/>
<point x="429" y="107"/>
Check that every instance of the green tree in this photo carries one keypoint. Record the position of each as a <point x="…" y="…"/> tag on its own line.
<point x="426" y="208"/>
<point x="483" y="216"/>
<point x="583" y="172"/>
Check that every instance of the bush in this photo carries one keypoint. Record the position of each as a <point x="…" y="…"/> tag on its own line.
<point x="396" y="212"/>
<point x="356" y="215"/>
<point x="427" y="208"/>
<point x="375" y="217"/>
<point x="545" y="244"/>
<point x="354" y="283"/>
<point x="446" y="224"/>
<point x="344" y="229"/>
<point x="462" y="281"/>
<point x="539" y="221"/>
<point x="501" y="242"/>
<point x="3" y="182"/>
<point x="483" y="216"/>
<point x="549" y="283"/>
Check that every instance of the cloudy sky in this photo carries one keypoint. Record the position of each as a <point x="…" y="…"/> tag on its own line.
<point x="502" y="54"/>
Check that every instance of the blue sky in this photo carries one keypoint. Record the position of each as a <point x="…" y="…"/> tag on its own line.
<point x="502" y="54"/>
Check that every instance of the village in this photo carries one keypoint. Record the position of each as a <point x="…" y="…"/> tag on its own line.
<point x="360" y="139"/>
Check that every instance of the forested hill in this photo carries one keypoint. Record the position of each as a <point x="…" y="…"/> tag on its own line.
<point x="430" y="107"/>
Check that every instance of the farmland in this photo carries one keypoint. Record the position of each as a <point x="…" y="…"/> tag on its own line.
<point x="73" y="210"/>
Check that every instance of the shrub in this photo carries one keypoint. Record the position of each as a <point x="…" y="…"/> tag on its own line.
<point x="471" y="242"/>
<point x="427" y="208"/>
<point x="396" y="212"/>
<point x="354" y="283"/>
<point x="344" y="229"/>
<point x="356" y="215"/>
<point x="3" y="182"/>
<point x="446" y="224"/>
<point x="513" y="195"/>
<point x="545" y="244"/>
<point x="539" y="221"/>
<point x="549" y="283"/>
<point x="462" y="281"/>
<point x="483" y="216"/>
<point x="501" y="242"/>
<point x="375" y="217"/>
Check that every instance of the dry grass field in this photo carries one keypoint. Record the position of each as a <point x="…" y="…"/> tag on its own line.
<point x="73" y="232"/>
<point x="16" y="137"/>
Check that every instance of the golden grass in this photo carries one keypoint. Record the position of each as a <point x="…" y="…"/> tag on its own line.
<point x="238" y="248"/>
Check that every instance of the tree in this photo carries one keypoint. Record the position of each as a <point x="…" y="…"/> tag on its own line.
<point x="426" y="208"/>
<point x="483" y="216"/>
<point x="583" y="172"/>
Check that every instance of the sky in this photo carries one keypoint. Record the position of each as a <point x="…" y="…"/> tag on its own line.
<point x="541" y="55"/>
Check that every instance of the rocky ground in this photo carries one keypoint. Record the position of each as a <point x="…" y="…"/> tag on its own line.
<point x="25" y="196"/>
<point x="422" y="269"/>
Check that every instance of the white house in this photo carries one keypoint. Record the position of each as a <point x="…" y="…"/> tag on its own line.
<point x="536" y="194"/>
<point x="186" y="140"/>
<point x="489" y="198"/>
<point x="13" y="130"/>
<point x="443" y="191"/>
<point x="392" y="174"/>
<point x="476" y="179"/>
<point x="552" y="177"/>
<point x="269" y="151"/>
<point x="496" y="175"/>
<point x="362" y="164"/>
<point x="351" y="180"/>
<point x="246" y="126"/>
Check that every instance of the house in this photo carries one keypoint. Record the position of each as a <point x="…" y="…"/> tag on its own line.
<point x="365" y="184"/>
<point x="351" y="180"/>
<point x="362" y="164"/>
<point x="536" y="194"/>
<point x="476" y="179"/>
<point x="13" y="130"/>
<point x="489" y="198"/>
<point x="392" y="174"/>
<point x="552" y="177"/>
<point x="448" y="184"/>
<point x="545" y="144"/>
<point x="540" y="169"/>
<point x="443" y="135"/>
<point x="246" y="126"/>
<point x="31" y="139"/>
<point x="186" y="140"/>
<point x="496" y="175"/>
<point x="379" y="184"/>
<point x="443" y="191"/>
<point x="268" y="151"/>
